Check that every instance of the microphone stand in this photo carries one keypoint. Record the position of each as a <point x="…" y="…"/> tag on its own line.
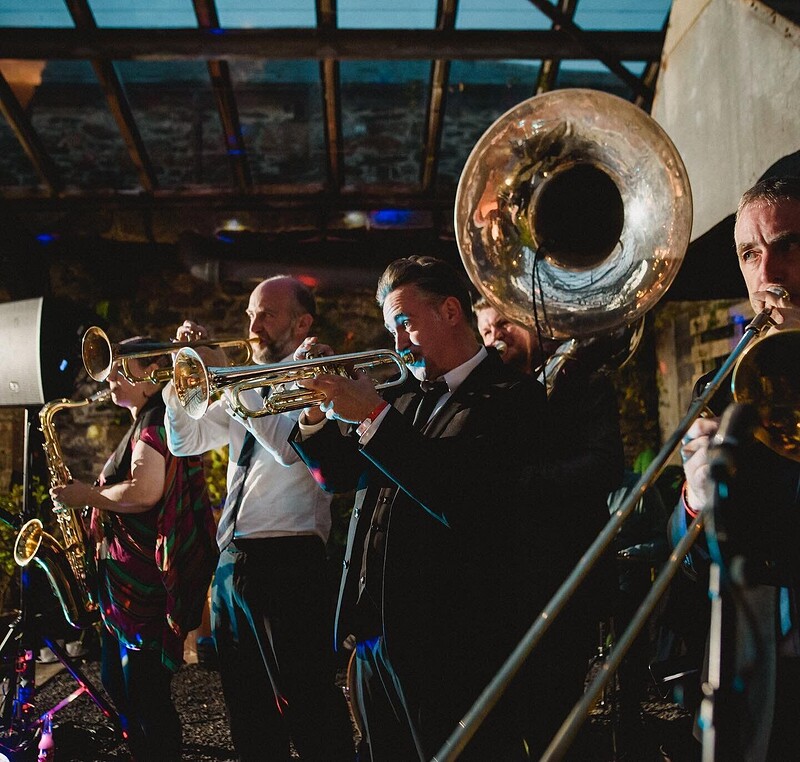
<point x="721" y="689"/>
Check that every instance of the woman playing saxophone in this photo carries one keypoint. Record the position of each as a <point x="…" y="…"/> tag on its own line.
<point x="155" y="552"/>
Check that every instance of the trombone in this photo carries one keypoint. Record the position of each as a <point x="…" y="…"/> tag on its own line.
<point x="569" y="729"/>
<point x="196" y="384"/>
<point x="99" y="355"/>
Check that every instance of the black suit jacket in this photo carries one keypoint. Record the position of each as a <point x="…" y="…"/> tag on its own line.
<point x="585" y="462"/>
<point x="438" y="553"/>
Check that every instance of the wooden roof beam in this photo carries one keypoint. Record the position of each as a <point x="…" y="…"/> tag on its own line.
<point x="28" y="137"/>
<point x="115" y="96"/>
<point x="331" y="99"/>
<point x="339" y="44"/>
<point x="222" y="88"/>
<point x="596" y="50"/>
<point x="261" y="198"/>
<point x="548" y="73"/>
<point x="440" y="74"/>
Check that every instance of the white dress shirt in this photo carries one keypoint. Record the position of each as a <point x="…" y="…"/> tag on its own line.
<point x="280" y="498"/>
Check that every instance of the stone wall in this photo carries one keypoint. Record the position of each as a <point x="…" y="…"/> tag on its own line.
<point x="133" y="295"/>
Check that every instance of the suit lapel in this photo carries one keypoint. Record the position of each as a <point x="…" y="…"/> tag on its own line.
<point x="488" y="371"/>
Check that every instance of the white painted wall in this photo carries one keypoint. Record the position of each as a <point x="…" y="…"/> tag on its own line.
<point x="728" y="95"/>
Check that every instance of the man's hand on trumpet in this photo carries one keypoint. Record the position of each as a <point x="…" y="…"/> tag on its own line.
<point x="346" y="399"/>
<point x="189" y="332"/>
<point x="311" y="348"/>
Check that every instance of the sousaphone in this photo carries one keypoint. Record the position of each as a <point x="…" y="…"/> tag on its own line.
<point x="573" y="213"/>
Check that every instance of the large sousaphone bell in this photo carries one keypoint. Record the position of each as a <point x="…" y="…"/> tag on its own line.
<point x="573" y="213"/>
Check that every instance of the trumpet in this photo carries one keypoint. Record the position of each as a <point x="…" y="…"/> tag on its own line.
<point x="197" y="384"/>
<point x="99" y="355"/>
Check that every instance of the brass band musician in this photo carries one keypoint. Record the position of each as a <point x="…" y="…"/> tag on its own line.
<point x="271" y="601"/>
<point x="764" y="524"/>
<point x="584" y="464"/>
<point x="155" y="552"/>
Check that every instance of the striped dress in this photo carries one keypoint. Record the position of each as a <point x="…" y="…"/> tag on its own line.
<point x="154" y="568"/>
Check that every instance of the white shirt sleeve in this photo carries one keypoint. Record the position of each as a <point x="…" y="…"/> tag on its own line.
<point x="185" y="435"/>
<point x="271" y="431"/>
<point x="307" y="429"/>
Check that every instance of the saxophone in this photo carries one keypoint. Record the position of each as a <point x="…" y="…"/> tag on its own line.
<point x="69" y="567"/>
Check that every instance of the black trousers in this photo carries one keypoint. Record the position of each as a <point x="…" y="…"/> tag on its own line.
<point x="388" y="732"/>
<point x="272" y="623"/>
<point x="140" y="687"/>
<point x="404" y="727"/>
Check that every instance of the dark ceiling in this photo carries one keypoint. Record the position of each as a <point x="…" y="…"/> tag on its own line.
<point x="281" y="136"/>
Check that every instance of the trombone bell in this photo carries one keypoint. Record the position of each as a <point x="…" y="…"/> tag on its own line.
<point x="767" y="376"/>
<point x="197" y="384"/>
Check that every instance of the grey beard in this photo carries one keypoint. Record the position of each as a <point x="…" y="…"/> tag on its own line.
<point x="266" y="355"/>
<point x="271" y="353"/>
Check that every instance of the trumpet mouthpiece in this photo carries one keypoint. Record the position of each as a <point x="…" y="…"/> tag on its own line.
<point x="500" y="346"/>
<point x="779" y="292"/>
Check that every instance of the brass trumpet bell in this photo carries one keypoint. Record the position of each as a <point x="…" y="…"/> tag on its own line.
<point x="767" y="376"/>
<point x="99" y="355"/>
<point x="197" y="384"/>
<point x="573" y="213"/>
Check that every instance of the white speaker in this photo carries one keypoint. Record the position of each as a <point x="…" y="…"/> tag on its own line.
<point x="39" y="350"/>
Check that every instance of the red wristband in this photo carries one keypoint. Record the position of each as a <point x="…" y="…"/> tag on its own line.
<point x="685" y="500"/>
<point x="367" y="422"/>
<point x="378" y="410"/>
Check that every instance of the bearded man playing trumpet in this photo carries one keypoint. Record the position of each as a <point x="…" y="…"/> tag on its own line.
<point x="270" y="601"/>
<point x="763" y="525"/>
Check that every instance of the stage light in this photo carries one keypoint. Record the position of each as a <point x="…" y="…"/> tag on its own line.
<point x="391" y="217"/>
<point x="355" y="219"/>
<point x="308" y="280"/>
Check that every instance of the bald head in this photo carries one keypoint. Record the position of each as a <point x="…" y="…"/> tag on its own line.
<point x="281" y="311"/>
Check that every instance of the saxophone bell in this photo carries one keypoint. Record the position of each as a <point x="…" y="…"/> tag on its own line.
<point x="34" y="544"/>
<point x="68" y="565"/>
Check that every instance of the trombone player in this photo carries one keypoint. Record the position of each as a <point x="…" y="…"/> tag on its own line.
<point x="270" y="607"/>
<point x="764" y="724"/>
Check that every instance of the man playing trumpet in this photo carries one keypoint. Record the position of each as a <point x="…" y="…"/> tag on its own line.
<point x="444" y="537"/>
<point x="270" y="613"/>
